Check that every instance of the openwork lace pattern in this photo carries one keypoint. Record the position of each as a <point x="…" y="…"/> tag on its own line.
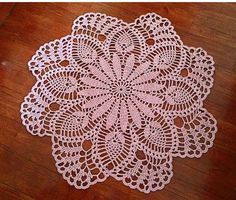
<point x="120" y="100"/>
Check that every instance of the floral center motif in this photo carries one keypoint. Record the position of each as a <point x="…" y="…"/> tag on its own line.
<point x="120" y="89"/>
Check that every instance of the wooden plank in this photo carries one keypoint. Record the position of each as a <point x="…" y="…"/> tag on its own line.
<point x="27" y="169"/>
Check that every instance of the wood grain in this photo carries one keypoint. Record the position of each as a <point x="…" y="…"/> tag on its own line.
<point x="27" y="169"/>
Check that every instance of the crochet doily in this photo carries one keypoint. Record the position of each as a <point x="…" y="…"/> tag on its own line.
<point x="120" y="99"/>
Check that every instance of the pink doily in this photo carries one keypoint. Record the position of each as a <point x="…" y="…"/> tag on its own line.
<point x="120" y="100"/>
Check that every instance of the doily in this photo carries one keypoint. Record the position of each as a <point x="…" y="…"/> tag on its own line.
<point x="120" y="100"/>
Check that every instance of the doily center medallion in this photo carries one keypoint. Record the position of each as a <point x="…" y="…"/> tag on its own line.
<point x="120" y="100"/>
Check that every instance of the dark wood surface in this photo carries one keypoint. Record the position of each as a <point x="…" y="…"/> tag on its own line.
<point x="27" y="169"/>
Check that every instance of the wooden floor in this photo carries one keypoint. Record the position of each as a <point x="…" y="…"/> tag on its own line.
<point x="27" y="169"/>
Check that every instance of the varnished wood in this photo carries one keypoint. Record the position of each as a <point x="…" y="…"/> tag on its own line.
<point x="27" y="169"/>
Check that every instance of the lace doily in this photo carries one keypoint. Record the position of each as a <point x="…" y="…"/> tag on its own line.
<point x="120" y="100"/>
